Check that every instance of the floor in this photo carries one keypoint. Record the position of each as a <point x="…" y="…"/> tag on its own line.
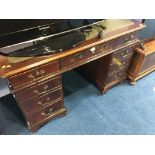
<point x="123" y="110"/>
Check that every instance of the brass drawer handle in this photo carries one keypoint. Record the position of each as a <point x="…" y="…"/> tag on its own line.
<point x="126" y="39"/>
<point x="31" y="76"/>
<point x="47" y="114"/>
<point x="45" y="87"/>
<point x="132" y="36"/>
<point x="42" y="72"/>
<point x="40" y="103"/>
<point x="35" y="91"/>
<point x="37" y="73"/>
<point x="48" y="99"/>
<point x="80" y="56"/>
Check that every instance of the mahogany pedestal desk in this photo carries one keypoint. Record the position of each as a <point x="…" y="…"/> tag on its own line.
<point x="35" y="82"/>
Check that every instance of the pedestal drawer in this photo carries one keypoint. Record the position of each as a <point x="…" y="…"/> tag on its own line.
<point x="41" y="101"/>
<point x="116" y="76"/>
<point x="29" y="93"/>
<point x="45" y="112"/>
<point x="34" y="74"/>
<point x="119" y="64"/>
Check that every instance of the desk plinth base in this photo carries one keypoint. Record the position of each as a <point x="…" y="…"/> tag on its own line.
<point x="34" y="127"/>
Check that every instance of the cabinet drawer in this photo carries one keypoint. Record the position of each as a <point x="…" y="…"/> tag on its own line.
<point x="79" y="57"/>
<point x="31" y="75"/>
<point x="123" y="53"/>
<point x="126" y="38"/>
<point x="119" y="64"/>
<point x="41" y="101"/>
<point x="29" y="93"/>
<point x="46" y="112"/>
<point x="116" y="77"/>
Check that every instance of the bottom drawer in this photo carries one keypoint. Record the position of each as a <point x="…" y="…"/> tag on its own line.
<point x="116" y="76"/>
<point x="45" y="112"/>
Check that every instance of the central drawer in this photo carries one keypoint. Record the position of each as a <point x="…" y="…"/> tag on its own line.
<point x="34" y="74"/>
<point x="41" y="101"/>
<point x="79" y="57"/>
<point x="46" y="112"/>
<point x="29" y="93"/>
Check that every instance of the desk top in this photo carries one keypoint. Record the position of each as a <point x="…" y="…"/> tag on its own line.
<point x="115" y="28"/>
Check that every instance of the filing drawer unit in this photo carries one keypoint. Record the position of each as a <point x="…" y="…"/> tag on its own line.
<point x="143" y="62"/>
<point x="40" y="98"/>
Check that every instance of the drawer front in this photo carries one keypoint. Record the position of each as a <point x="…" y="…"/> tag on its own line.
<point x="45" y="112"/>
<point x="126" y="38"/>
<point x="123" y="53"/>
<point x="107" y="46"/>
<point x="116" y="76"/>
<point x="119" y="64"/>
<point x="32" y="75"/>
<point x="41" y="101"/>
<point x="79" y="57"/>
<point x="29" y="93"/>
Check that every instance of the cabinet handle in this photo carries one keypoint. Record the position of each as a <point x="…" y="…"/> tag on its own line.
<point x="40" y="103"/>
<point x="47" y="114"/>
<point x="31" y="76"/>
<point x="42" y="72"/>
<point x="48" y="99"/>
<point x="35" y="91"/>
<point x="132" y="36"/>
<point x="45" y="87"/>
<point x="126" y="39"/>
<point x="79" y="56"/>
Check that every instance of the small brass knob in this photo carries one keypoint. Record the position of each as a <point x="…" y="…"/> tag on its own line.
<point x="35" y="91"/>
<point x="31" y="76"/>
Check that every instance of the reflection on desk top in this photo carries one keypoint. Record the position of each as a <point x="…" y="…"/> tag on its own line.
<point x="115" y="28"/>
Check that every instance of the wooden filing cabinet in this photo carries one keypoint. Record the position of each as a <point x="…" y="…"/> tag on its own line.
<point x="143" y="62"/>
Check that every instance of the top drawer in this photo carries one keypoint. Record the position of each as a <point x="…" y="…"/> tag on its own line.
<point x="126" y="38"/>
<point x="32" y="75"/>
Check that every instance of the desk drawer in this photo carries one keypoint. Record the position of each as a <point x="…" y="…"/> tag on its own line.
<point x="41" y="101"/>
<point x="126" y="38"/>
<point x="123" y="53"/>
<point x="79" y="57"/>
<point x="29" y="93"/>
<point x="45" y="112"/>
<point x="119" y="64"/>
<point x="116" y="76"/>
<point x="107" y="46"/>
<point x="31" y="75"/>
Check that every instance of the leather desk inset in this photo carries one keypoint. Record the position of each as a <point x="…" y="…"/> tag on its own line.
<point x="35" y="82"/>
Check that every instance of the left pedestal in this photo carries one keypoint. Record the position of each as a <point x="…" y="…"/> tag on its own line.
<point x="39" y="96"/>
